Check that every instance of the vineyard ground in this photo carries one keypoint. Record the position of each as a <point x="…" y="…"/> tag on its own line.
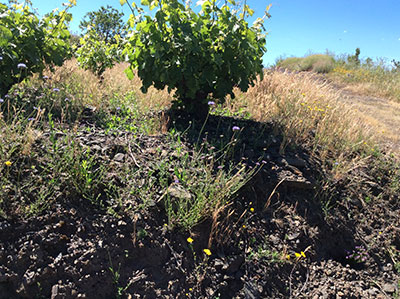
<point x="282" y="236"/>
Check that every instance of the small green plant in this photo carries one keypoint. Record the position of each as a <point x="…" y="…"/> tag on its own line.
<point x="197" y="181"/>
<point x="123" y="114"/>
<point x="116" y="277"/>
<point x="190" y="244"/>
<point x="141" y="234"/>
<point x="193" y="194"/>
<point x="368" y="199"/>
<point x="76" y="168"/>
<point x="262" y="252"/>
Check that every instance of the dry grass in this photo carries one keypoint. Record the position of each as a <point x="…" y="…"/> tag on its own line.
<point x="365" y="80"/>
<point x="82" y="84"/>
<point x="304" y="107"/>
<point x="299" y="103"/>
<point x="383" y="116"/>
<point x="312" y="113"/>
<point x="115" y="83"/>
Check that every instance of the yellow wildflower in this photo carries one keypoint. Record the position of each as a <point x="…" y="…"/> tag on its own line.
<point x="207" y="251"/>
<point x="190" y="240"/>
<point x="252" y="209"/>
<point x="8" y="163"/>
<point x="299" y="255"/>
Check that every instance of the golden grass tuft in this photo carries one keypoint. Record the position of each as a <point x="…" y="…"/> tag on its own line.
<point x="83" y="85"/>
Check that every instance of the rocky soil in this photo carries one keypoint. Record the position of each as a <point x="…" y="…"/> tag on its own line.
<point x="283" y="237"/>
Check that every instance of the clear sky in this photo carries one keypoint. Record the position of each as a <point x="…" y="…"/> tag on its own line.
<point x="299" y="27"/>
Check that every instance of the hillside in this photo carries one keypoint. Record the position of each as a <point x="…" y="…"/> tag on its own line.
<point x="283" y="192"/>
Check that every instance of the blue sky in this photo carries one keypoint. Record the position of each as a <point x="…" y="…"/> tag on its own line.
<point x="299" y="27"/>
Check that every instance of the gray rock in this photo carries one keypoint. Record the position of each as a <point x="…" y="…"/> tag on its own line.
<point x="29" y="277"/>
<point x="282" y="161"/>
<point x="210" y="292"/>
<point x="296" y="162"/>
<point x="179" y="192"/>
<point x="96" y="148"/>
<point x="389" y="288"/>
<point x="56" y="292"/>
<point x="293" y="236"/>
<point x="219" y="263"/>
<point x="120" y="157"/>
<point x="274" y="239"/>
<point x="373" y="291"/>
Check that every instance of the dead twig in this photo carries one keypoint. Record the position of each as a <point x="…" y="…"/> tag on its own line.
<point x="272" y="194"/>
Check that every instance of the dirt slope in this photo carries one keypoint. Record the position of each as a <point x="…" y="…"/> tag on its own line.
<point x="382" y="115"/>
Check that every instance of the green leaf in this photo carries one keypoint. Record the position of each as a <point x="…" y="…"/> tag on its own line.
<point x="129" y="73"/>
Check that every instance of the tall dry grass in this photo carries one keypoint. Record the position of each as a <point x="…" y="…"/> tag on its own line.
<point x="95" y="92"/>
<point x="300" y="104"/>
<point x="307" y="111"/>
